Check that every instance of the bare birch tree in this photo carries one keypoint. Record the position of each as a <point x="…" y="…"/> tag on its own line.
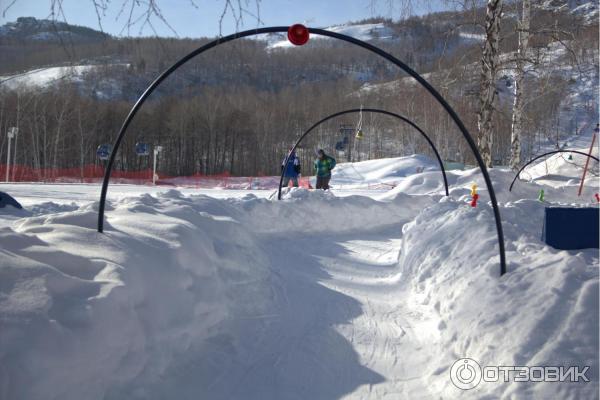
<point x="519" y="102"/>
<point x="489" y="69"/>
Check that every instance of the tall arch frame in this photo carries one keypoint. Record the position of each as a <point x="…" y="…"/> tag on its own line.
<point x="366" y="110"/>
<point x="322" y="32"/>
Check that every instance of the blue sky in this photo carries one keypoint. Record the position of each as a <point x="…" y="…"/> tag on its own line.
<point x="189" y="21"/>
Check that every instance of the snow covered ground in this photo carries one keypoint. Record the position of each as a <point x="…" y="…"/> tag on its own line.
<point x="382" y="174"/>
<point x="353" y="293"/>
<point x="45" y="76"/>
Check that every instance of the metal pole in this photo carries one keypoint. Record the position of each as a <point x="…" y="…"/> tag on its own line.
<point x="14" y="160"/>
<point x="157" y="149"/>
<point x="587" y="161"/>
<point x="154" y="167"/>
<point x="8" y="159"/>
<point x="10" y="135"/>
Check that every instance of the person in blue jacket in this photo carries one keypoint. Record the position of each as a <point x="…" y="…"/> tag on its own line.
<point x="292" y="170"/>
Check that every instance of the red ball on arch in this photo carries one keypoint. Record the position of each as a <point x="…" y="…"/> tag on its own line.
<point x="298" y="34"/>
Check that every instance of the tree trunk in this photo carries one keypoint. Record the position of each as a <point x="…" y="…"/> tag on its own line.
<point x="489" y="68"/>
<point x="517" y="117"/>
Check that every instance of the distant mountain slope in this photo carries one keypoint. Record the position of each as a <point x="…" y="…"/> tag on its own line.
<point x="366" y="32"/>
<point x="36" y="30"/>
<point x="85" y="76"/>
<point x="588" y="10"/>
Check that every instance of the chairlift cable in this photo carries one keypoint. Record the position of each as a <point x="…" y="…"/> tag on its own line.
<point x="357" y="139"/>
<point x="360" y="119"/>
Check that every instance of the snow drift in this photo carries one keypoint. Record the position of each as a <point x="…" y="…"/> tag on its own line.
<point x="316" y="296"/>
<point x="109" y="314"/>
<point x="162" y="304"/>
<point x="544" y="312"/>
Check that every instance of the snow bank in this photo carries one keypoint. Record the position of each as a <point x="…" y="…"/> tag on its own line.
<point x="189" y="296"/>
<point x="563" y="168"/>
<point x="544" y="312"/>
<point x="388" y="171"/>
<point x="86" y="315"/>
<point x="560" y="185"/>
<point x="172" y="296"/>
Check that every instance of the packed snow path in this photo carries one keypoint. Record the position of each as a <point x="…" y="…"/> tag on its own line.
<point x="342" y="331"/>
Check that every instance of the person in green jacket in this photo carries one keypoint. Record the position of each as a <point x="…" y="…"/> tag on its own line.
<point x="323" y="166"/>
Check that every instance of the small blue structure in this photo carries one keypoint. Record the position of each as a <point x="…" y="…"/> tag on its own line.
<point x="571" y="228"/>
<point x="103" y="151"/>
<point x="142" y="149"/>
<point x="8" y="200"/>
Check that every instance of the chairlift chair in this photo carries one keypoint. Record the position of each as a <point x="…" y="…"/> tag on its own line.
<point x="346" y="130"/>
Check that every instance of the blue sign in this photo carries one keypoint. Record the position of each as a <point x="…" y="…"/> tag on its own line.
<point x="142" y="149"/>
<point x="103" y="151"/>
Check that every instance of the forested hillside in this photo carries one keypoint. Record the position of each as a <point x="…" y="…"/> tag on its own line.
<point x="238" y="108"/>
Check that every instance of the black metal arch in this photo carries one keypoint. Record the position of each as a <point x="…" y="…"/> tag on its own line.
<point x="544" y="155"/>
<point x="367" y="110"/>
<point x="322" y="32"/>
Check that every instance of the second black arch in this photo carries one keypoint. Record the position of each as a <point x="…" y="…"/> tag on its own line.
<point x="367" y="110"/>
<point x="544" y="155"/>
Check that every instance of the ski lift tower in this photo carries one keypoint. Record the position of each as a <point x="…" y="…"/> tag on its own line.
<point x="12" y="133"/>
<point x="347" y="132"/>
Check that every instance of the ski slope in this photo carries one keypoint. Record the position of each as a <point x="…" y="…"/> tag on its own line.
<point x="43" y="77"/>
<point x="349" y="294"/>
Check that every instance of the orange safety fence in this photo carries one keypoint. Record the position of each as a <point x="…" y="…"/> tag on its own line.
<point x="95" y="174"/>
<point x="85" y="174"/>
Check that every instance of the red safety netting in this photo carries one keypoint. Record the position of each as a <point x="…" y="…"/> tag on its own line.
<point x="85" y="174"/>
<point x="95" y="174"/>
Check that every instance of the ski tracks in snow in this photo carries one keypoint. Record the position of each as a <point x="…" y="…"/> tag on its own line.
<point x="344" y="317"/>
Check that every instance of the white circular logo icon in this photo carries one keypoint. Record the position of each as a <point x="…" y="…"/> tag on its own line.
<point x="465" y="373"/>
